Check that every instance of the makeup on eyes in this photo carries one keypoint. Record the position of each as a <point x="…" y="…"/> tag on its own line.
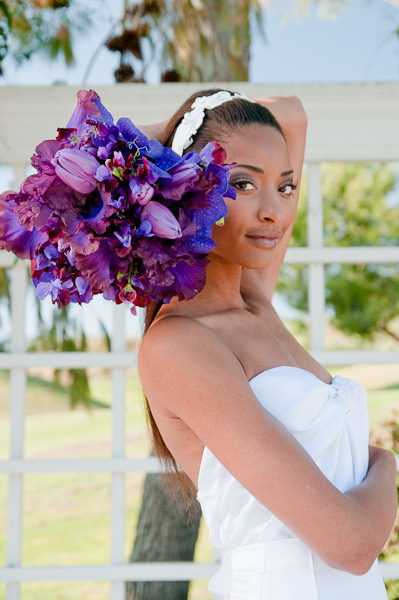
<point x="241" y="179"/>
<point x="290" y="184"/>
<point x="235" y="182"/>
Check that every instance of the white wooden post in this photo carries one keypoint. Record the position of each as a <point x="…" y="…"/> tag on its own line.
<point x="17" y="412"/>
<point x="341" y="117"/>
<point x="17" y="420"/>
<point x="118" y="344"/>
<point x="217" y="560"/>
<point x="316" y="270"/>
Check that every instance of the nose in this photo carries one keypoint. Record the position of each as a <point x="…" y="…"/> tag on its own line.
<point x="272" y="207"/>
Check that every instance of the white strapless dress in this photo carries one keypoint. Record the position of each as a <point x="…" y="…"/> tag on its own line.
<point x="261" y="558"/>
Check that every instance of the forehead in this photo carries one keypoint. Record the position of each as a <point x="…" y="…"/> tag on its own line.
<point x="259" y="144"/>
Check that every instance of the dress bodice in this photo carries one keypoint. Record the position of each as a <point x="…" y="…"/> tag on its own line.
<point x="262" y="558"/>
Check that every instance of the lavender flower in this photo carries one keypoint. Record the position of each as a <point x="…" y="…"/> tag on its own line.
<point x="76" y="168"/>
<point x="163" y="223"/>
<point x="110" y="212"/>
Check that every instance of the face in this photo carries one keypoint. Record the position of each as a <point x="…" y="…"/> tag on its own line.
<point x="264" y="208"/>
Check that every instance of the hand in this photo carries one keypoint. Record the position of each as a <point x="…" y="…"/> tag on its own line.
<point x="379" y="454"/>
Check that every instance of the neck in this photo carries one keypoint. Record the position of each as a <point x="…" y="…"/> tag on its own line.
<point x="221" y="290"/>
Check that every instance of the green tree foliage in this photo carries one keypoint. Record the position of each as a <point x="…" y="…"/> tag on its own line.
<point x="4" y="300"/>
<point x="63" y="335"/>
<point x="363" y="298"/>
<point x="27" y="28"/>
<point x="46" y="27"/>
<point x="190" y="40"/>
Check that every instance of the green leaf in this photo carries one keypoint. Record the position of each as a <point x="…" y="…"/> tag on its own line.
<point x="363" y="298"/>
<point x="4" y="9"/>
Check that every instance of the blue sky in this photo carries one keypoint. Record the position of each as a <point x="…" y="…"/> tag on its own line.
<point x="358" y="45"/>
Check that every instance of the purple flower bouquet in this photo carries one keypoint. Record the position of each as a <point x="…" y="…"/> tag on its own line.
<point x="110" y="212"/>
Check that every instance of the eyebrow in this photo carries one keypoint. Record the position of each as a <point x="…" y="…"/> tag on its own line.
<point x="261" y="171"/>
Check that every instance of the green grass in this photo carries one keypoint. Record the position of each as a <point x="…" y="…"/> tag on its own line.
<point x="67" y="516"/>
<point x="65" y="590"/>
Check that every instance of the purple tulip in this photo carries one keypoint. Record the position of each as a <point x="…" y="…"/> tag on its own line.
<point x="141" y="191"/>
<point x="76" y="168"/>
<point x="163" y="222"/>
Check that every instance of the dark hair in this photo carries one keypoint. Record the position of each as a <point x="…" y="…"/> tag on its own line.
<point x="218" y="123"/>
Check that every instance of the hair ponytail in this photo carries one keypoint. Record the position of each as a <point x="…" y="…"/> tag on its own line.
<point x="177" y="480"/>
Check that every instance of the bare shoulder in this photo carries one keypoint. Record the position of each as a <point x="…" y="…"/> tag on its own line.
<point x="179" y="347"/>
<point x="190" y="375"/>
<point x="176" y="335"/>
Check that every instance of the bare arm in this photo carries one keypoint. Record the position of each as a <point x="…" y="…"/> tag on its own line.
<point x="370" y="499"/>
<point x="291" y="115"/>
<point x="186" y="371"/>
<point x="155" y="130"/>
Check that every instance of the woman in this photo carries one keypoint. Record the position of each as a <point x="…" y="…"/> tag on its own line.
<point x="278" y="450"/>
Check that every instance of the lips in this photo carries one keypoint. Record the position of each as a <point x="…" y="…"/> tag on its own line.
<point x="265" y="239"/>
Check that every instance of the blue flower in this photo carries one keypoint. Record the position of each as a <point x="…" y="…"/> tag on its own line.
<point x="111" y="212"/>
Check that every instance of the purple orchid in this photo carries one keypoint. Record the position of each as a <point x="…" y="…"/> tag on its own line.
<point x="184" y="177"/>
<point x="110" y="212"/>
<point x="89" y="105"/>
<point x="13" y="236"/>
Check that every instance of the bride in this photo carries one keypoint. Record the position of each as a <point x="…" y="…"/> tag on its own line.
<point x="298" y="503"/>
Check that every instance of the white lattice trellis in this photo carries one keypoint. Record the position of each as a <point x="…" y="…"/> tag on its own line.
<point x="347" y="122"/>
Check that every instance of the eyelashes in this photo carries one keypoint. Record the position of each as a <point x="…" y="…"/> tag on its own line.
<point x="240" y="183"/>
<point x="243" y="183"/>
<point x="293" y="187"/>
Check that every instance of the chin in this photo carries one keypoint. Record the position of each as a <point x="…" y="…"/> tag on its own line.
<point x="258" y="267"/>
<point x="254" y="261"/>
<point x="257" y="264"/>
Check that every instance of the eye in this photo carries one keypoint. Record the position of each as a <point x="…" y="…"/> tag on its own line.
<point x="243" y="185"/>
<point x="288" y="188"/>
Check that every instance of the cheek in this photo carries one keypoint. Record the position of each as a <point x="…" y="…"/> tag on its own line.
<point x="230" y="232"/>
<point x="291" y="213"/>
<point x="222" y="236"/>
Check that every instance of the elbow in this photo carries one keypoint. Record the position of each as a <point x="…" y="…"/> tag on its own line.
<point x="355" y="559"/>
<point x="361" y="563"/>
<point x="299" y="109"/>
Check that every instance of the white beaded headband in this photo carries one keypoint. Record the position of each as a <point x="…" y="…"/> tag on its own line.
<point x="193" y="119"/>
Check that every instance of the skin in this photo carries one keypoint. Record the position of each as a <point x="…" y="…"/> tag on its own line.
<point x="291" y="115"/>
<point x="196" y="359"/>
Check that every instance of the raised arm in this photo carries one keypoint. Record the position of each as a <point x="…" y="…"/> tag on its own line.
<point x="154" y="131"/>
<point x="291" y="115"/>
<point x="189" y="375"/>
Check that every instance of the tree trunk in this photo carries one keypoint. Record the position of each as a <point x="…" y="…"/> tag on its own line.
<point x="164" y="533"/>
<point x="220" y="49"/>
